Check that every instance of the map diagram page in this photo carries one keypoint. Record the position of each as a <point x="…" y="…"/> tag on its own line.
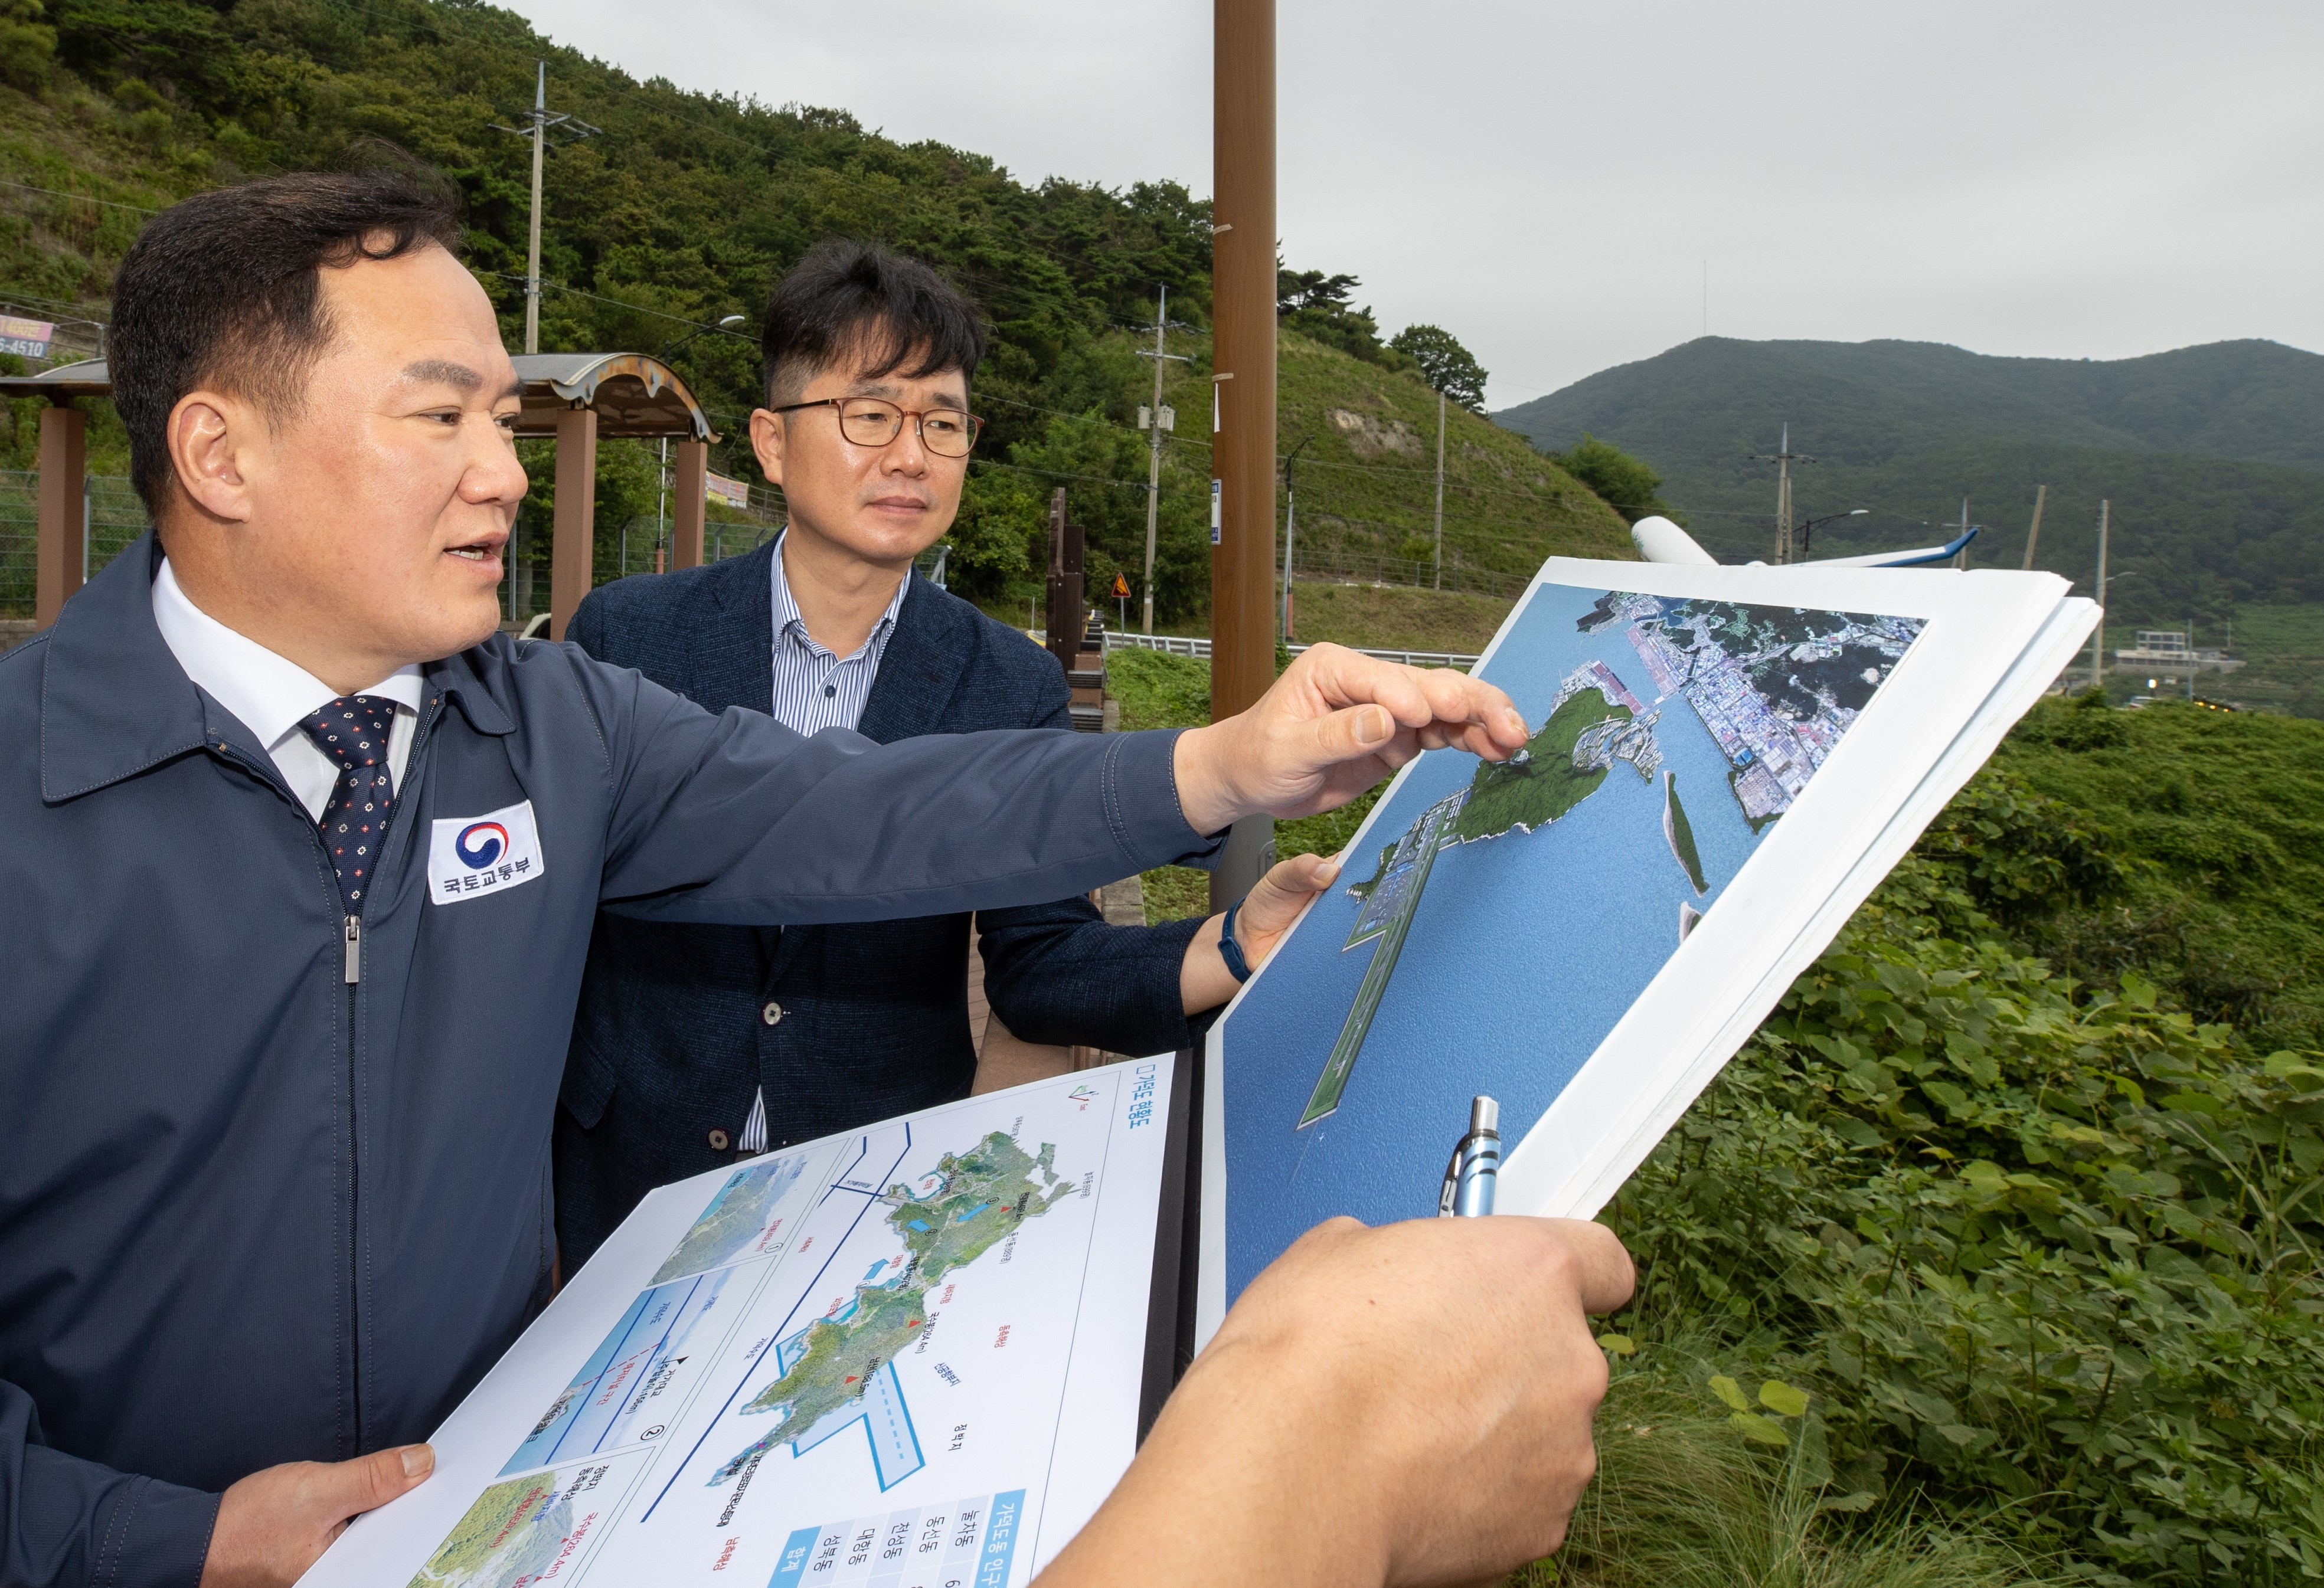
<point x="1497" y="920"/>
<point x="909" y="1357"/>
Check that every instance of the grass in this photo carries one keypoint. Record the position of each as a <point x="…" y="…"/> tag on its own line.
<point x="2283" y="647"/>
<point x="1388" y="617"/>
<point x="1681" y="1499"/>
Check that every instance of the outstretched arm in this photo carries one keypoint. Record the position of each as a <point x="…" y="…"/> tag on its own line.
<point x="1398" y="1406"/>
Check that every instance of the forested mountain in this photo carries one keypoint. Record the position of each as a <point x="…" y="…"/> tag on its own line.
<point x="2213" y="456"/>
<point x="682" y="208"/>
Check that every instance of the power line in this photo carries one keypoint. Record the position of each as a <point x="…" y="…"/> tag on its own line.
<point x="84" y="198"/>
<point x="600" y="298"/>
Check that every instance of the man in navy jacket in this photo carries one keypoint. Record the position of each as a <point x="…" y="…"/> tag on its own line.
<point x="694" y="1043"/>
<point x="290" y="980"/>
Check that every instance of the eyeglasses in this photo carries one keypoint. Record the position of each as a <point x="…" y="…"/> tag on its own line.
<point x="871" y="421"/>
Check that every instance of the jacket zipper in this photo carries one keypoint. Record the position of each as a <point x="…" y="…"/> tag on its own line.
<point x="351" y="976"/>
<point x="351" y="970"/>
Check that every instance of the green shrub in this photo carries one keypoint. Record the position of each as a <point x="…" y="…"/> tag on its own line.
<point x="27" y="50"/>
<point x="2051" y="1255"/>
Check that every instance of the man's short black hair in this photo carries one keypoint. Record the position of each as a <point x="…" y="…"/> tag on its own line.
<point x="885" y="314"/>
<point x="223" y="291"/>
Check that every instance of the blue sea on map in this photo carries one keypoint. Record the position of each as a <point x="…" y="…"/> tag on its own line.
<point x="1524" y="952"/>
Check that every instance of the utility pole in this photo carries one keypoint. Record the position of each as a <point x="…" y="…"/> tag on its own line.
<point x="1243" y="457"/>
<point x="1439" y="490"/>
<point x="536" y="128"/>
<point x="2032" y="535"/>
<point x="1158" y="420"/>
<point x="1783" y="457"/>
<point x="2097" y="639"/>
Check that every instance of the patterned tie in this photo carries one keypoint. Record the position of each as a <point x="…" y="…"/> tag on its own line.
<point x="353" y="731"/>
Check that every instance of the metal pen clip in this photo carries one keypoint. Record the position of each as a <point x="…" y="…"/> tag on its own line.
<point x="1475" y="1168"/>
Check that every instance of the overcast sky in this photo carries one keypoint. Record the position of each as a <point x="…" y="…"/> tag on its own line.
<point x="1548" y="180"/>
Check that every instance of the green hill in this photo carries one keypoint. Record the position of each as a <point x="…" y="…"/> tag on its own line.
<point x="1365" y="475"/>
<point x="683" y="207"/>
<point x="2210" y="455"/>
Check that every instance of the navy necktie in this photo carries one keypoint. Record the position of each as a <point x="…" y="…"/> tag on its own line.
<point x="353" y="731"/>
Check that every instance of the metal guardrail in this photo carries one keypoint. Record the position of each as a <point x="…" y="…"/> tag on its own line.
<point x="1182" y="645"/>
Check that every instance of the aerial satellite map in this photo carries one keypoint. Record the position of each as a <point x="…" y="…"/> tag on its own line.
<point x="856" y="1357"/>
<point x="1498" y="919"/>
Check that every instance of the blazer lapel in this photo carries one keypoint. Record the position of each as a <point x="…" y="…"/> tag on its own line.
<point x="926" y="658"/>
<point x="734" y="642"/>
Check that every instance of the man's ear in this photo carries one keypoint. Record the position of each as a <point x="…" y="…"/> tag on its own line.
<point x="767" y="442"/>
<point x="209" y="437"/>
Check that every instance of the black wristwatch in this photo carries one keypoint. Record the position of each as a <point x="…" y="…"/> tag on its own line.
<point x="1229" y="949"/>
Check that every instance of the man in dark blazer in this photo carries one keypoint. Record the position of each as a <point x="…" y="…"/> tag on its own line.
<point x="695" y="1043"/>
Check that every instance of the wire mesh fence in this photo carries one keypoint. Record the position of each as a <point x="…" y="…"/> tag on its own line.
<point x="110" y="509"/>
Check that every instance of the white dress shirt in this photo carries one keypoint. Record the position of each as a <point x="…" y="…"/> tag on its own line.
<point x="271" y="695"/>
<point x="815" y="689"/>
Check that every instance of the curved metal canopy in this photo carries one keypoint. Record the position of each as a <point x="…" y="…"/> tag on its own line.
<point x="637" y="396"/>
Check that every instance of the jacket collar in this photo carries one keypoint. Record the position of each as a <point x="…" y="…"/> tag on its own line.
<point x="114" y="700"/>
<point x="926" y="659"/>
<point x="455" y="677"/>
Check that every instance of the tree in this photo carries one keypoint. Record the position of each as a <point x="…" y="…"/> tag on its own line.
<point x="1317" y="304"/>
<point x="1445" y="364"/>
<point x="1298" y="290"/>
<point x="1625" y="484"/>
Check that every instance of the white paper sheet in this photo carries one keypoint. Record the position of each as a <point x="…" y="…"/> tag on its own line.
<point x="910" y="1355"/>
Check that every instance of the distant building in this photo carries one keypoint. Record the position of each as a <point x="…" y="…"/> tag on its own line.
<point x="2165" y="651"/>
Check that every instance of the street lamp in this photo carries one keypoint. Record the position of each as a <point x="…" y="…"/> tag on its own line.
<point x="1808" y="528"/>
<point x="672" y="346"/>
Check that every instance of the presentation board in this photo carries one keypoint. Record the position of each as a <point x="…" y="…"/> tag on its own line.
<point x="911" y="1355"/>
<point x="1725" y="761"/>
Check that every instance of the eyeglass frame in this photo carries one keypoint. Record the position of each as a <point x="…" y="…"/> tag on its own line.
<point x="902" y="413"/>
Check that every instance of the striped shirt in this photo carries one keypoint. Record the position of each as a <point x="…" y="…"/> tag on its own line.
<point x="814" y="688"/>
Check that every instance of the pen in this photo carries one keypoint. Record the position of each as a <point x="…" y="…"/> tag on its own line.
<point x="1471" y="1176"/>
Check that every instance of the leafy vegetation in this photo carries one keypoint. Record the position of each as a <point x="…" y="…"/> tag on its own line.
<point x="2209" y="454"/>
<point x="2044" y="1245"/>
<point x="1446" y="366"/>
<point x="1625" y="484"/>
<point x="1317" y="306"/>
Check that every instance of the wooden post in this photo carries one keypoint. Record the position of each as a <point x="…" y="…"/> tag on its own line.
<point x="1242" y="313"/>
<point x="62" y="550"/>
<point x="691" y="504"/>
<point x="572" y="552"/>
